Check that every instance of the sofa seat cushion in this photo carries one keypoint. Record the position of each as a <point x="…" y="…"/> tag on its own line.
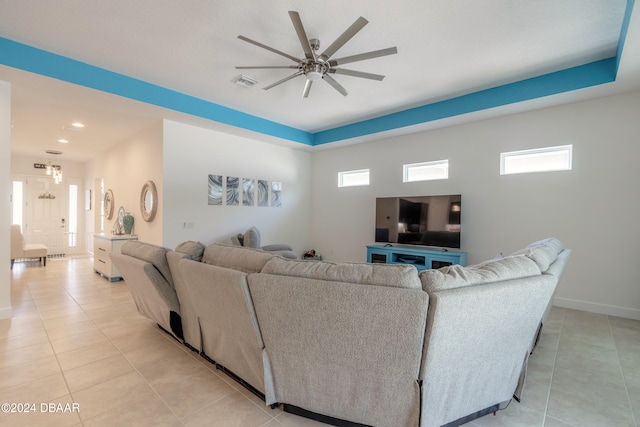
<point x="236" y="257"/>
<point x="457" y="276"/>
<point x="194" y="250"/>
<point x="401" y="276"/>
<point x="153" y="254"/>
<point x="543" y="252"/>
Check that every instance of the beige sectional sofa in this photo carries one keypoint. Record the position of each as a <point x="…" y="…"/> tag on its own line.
<point x="354" y="343"/>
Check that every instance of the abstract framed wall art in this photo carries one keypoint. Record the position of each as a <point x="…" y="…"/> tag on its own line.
<point x="248" y="191"/>
<point x="263" y="193"/>
<point x="276" y="193"/>
<point x="215" y="190"/>
<point x="233" y="191"/>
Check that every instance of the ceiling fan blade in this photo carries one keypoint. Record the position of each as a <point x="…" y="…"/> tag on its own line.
<point x="307" y="88"/>
<point x="259" y="67"/>
<point x="337" y="86"/>
<point x="344" y="38"/>
<point x="363" y="56"/>
<point x="299" y="73"/>
<point x="264" y="46"/>
<point x="302" y="35"/>
<point x="354" y="73"/>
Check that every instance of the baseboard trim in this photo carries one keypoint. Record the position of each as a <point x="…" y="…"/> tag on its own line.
<point x="592" y="307"/>
<point x="5" y="312"/>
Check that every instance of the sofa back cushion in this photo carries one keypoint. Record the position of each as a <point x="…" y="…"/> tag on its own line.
<point x="345" y="350"/>
<point x="543" y="252"/>
<point x="153" y="254"/>
<point x="401" y="276"/>
<point x="236" y="257"/>
<point x="457" y="276"/>
<point x="194" y="250"/>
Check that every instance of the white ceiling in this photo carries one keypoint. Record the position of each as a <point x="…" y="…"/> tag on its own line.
<point x="446" y="48"/>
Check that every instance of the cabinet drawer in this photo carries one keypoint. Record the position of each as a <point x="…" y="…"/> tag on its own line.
<point x="103" y="247"/>
<point x="101" y="250"/>
<point x="103" y="265"/>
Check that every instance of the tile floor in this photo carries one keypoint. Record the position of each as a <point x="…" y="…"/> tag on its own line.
<point x="77" y="338"/>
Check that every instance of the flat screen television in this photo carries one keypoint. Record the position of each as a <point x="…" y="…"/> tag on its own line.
<point x="419" y="220"/>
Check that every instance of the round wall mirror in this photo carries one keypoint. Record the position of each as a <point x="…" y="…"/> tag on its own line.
<point x="148" y="201"/>
<point x="108" y="204"/>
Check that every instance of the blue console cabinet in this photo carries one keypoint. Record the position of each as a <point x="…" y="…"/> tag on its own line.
<point x="422" y="258"/>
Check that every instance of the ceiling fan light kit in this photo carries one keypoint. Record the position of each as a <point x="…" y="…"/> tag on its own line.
<point x="318" y="67"/>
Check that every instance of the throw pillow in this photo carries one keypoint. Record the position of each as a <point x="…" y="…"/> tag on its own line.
<point x="191" y="248"/>
<point x="251" y="238"/>
<point x="543" y="252"/>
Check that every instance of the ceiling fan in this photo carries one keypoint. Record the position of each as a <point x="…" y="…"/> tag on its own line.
<point x="316" y="66"/>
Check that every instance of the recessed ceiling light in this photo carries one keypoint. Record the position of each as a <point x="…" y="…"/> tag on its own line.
<point x="77" y="124"/>
<point x="63" y="141"/>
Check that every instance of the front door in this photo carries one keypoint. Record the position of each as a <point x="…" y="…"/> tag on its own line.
<point x="46" y="214"/>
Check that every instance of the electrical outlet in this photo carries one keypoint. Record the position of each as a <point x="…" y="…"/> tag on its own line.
<point x="187" y="224"/>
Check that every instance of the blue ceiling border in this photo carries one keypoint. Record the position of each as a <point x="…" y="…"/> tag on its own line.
<point x="27" y="58"/>
<point x="623" y="30"/>
<point x="592" y="74"/>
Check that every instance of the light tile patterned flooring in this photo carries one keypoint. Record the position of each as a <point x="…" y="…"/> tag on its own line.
<point x="77" y="338"/>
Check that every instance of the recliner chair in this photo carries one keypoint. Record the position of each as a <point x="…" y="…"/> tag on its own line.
<point x="251" y="239"/>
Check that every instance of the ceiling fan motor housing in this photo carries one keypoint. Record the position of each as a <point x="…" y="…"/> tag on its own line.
<point x="315" y="70"/>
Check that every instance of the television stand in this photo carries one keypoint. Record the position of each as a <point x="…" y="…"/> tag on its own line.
<point x="422" y="258"/>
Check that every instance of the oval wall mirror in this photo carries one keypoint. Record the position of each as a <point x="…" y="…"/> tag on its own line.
<point x="148" y="201"/>
<point x="108" y="204"/>
<point x="120" y="220"/>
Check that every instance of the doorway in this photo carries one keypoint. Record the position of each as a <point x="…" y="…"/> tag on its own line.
<point x="49" y="213"/>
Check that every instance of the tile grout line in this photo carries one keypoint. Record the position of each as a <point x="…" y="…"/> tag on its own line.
<point x="553" y="370"/>
<point x="181" y="420"/>
<point x="128" y="361"/>
<point x="624" y="379"/>
<point x="64" y="378"/>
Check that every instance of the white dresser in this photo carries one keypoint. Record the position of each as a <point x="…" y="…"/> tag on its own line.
<point x="103" y="245"/>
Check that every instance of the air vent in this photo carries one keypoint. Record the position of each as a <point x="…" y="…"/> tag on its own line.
<point x="56" y="152"/>
<point x="244" y="81"/>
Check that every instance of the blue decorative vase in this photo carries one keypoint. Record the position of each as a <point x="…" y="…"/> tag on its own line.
<point x="128" y="223"/>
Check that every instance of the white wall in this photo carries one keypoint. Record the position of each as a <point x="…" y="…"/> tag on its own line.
<point x="593" y="209"/>
<point x="192" y="153"/>
<point x="125" y="169"/>
<point x="23" y="165"/>
<point x="5" y="191"/>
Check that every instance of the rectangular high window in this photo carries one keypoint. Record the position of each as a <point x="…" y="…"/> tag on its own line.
<point x="425" y="171"/>
<point x="353" y="178"/>
<point x="536" y="160"/>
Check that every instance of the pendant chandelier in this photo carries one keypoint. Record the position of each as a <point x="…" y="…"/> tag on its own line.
<point x="55" y="171"/>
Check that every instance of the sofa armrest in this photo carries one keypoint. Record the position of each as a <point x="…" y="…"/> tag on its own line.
<point x="478" y="338"/>
<point x="155" y="298"/>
